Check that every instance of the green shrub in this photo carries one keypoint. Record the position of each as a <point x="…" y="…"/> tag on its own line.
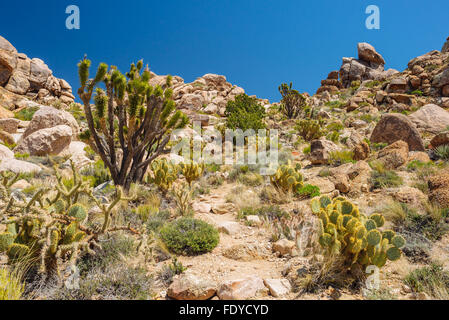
<point x="244" y="113"/>
<point x="250" y="179"/>
<point x="418" y="93"/>
<point x="97" y="173"/>
<point x="309" y="191"/>
<point x="310" y="129"/>
<point x="189" y="236"/>
<point x="337" y="158"/>
<point x="442" y="152"/>
<point x="293" y="103"/>
<point x="11" y="287"/>
<point x="433" y="280"/>
<point x="383" y="178"/>
<point x="26" y="114"/>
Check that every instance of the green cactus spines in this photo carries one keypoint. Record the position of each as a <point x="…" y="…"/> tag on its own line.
<point x="373" y="237"/>
<point x="315" y="205"/>
<point x="6" y="240"/>
<point x="398" y="241"/>
<point x="370" y="224"/>
<point x="388" y="234"/>
<point x="379" y="219"/>
<point x="325" y="201"/>
<point x="287" y="179"/>
<point x="344" y="230"/>
<point x="393" y="254"/>
<point x="78" y="212"/>
<point x="164" y="174"/>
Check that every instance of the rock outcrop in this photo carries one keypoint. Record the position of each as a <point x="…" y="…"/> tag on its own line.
<point x="394" y="127"/>
<point x="31" y="77"/>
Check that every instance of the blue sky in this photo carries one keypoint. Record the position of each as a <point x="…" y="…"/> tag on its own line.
<point x="256" y="44"/>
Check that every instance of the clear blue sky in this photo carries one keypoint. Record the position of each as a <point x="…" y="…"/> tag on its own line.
<point x="257" y="44"/>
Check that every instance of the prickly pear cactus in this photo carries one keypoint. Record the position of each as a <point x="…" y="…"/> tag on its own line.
<point x="163" y="174"/>
<point x="287" y="179"/>
<point x="344" y="230"/>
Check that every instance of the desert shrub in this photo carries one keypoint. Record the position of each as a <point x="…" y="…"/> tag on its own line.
<point x="26" y="114"/>
<point x="157" y="220"/>
<point x="120" y="282"/>
<point x="182" y="195"/>
<point x="430" y="223"/>
<point x="11" y="288"/>
<point x="250" y="179"/>
<point x="293" y="103"/>
<point x="96" y="173"/>
<point x="243" y="196"/>
<point x="344" y="231"/>
<point x="189" y="236"/>
<point x="112" y="251"/>
<point x="433" y="280"/>
<point x="335" y="104"/>
<point x="307" y="149"/>
<point x="309" y="191"/>
<point x="191" y="171"/>
<point x="442" y="152"/>
<point x="383" y="178"/>
<point x="418" y="93"/>
<point x="337" y="158"/>
<point x="270" y="212"/>
<point x="170" y="270"/>
<point x="244" y="113"/>
<point x="372" y="84"/>
<point x="310" y="129"/>
<point x="149" y="208"/>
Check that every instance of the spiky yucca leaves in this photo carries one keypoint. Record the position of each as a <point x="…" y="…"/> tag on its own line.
<point x="344" y="230"/>
<point x="130" y="115"/>
<point x="163" y="174"/>
<point x="191" y="171"/>
<point x="49" y="229"/>
<point x="293" y="103"/>
<point x="287" y="179"/>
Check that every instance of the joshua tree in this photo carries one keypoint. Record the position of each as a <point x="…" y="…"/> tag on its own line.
<point x="293" y="103"/>
<point x="132" y="120"/>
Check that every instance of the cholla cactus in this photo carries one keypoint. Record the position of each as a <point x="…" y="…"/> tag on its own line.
<point x="163" y="174"/>
<point x="191" y="171"/>
<point x="130" y="115"/>
<point x="344" y="230"/>
<point x="287" y="178"/>
<point x="46" y="231"/>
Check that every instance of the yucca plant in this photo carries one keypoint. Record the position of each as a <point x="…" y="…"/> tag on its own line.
<point x="132" y="119"/>
<point x="293" y="104"/>
<point x="442" y="152"/>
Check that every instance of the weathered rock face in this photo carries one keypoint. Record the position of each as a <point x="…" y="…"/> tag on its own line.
<point x="439" y="189"/>
<point x="5" y="153"/>
<point x="209" y="93"/>
<point x="431" y="118"/>
<point x="395" y="155"/>
<point x="18" y="166"/>
<point x="242" y="289"/>
<point x="49" y="141"/>
<point x="320" y="151"/>
<point x="48" y="117"/>
<point x="369" y="66"/>
<point x="440" y="139"/>
<point x="394" y="127"/>
<point x="361" y="151"/>
<point x="190" y="287"/>
<point x="22" y="75"/>
<point x="445" y="48"/>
